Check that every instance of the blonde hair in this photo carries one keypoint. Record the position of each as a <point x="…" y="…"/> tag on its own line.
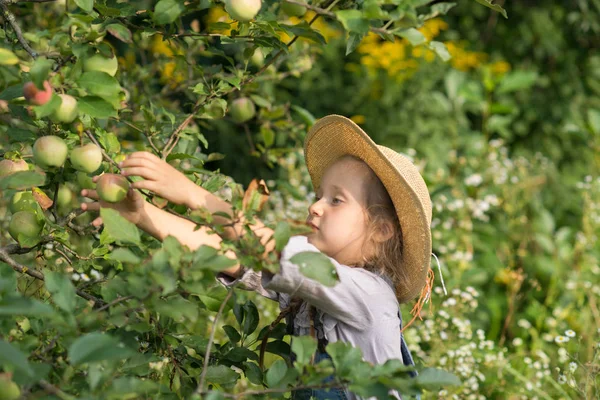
<point x="387" y="254"/>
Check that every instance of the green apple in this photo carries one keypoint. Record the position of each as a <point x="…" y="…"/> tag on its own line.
<point x="8" y="167"/>
<point x="36" y="96"/>
<point x="242" y="110"/>
<point x="86" y="158"/>
<point x="67" y="111"/>
<point x="9" y="390"/>
<point x="112" y="188"/>
<point x="258" y="58"/>
<point x="100" y="63"/>
<point x="50" y="151"/>
<point x="22" y="201"/>
<point x="64" y="196"/>
<point x="292" y="10"/>
<point x="26" y="224"/>
<point x="243" y="10"/>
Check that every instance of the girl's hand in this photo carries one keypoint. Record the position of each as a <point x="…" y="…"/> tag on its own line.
<point x="159" y="177"/>
<point x="131" y="208"/>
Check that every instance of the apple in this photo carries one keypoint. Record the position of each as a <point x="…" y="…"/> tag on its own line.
<point x="8" y="167"/>
<point x="100" y="63"/>
<point x="9" y="390"/>
<point x="64" y="196"/>
<point x="22" y="201"/>
<point x="67" y="111"/>
<point x="258" y="58"/>
<point x="292" y="10"/>
<point x="36" y="96"/>
<point x="242" y="110"/>
<point x="112" y="188"/>
<point x="86" y="158"/>
<point x="24" y="223"/>
<point x="243" y="10"/>
<point x="50" y="151"/>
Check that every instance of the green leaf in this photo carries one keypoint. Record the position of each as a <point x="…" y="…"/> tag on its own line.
<point x="253" y="373"/>
<point x="23" y="180"/>
<point x="63" y="292"/>
<point x="97" y="346"/>
<point x="233" y="335"/>
<point x="23" y="306"/>
<point x="354" y="40"/>
<point x="440" y="49"/>
<point x="48" y="108"/>
<point x="11" y="355"/>
<point x="85" y="5"/>
<point x="207" y="257"/>
<point x="435" y="379"/>
<point x="317" y="266"/>
<point x="517" y="80"/>
<point x="495" y="7"/>
<point x="251" y="318"/>
<point x="123" y="255"/>
<point x="167" y="11"/>
<point x="594" y="120"/>
<point x="39" y="71"/>
<point x="276" y="373"/>
<point x="353" y="21"/>
<point x="12" y="92"/>
<point x="413" y="36"/>
<point x="305" y="115"/>
<point x="304" y="347"/>
<point x="282" y="235"/>
<point x="7" y="57"/>
<point x="102" y="85"/>
<point x="220" y="374"/>
<point x="303" y="29"/>
<point x="118" y="227"/>
<point x="96" y="107"/>
<point x="345" y="357"/>
<point x="120" y="31"/>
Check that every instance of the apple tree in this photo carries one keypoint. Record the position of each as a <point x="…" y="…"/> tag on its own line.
<point x="110" y="312"/>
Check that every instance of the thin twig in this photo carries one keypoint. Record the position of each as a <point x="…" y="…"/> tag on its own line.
<point x="115" y="301"/>
<point x="48" y="387"/>
<point x="200" y="387"/>
<point x="10" y="17"/>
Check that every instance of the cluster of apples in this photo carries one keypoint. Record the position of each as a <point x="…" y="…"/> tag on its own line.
<point x="49" y="153"/>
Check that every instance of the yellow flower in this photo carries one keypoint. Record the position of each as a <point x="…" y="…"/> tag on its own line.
<point x="500" y="67"/>
<point x="218" y="14"/>
<point x="358" y="119"/>
<point x="432" y="28"/>
<point x="170" y="75"/>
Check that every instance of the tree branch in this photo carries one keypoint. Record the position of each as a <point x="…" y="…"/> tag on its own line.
<point x="200" y="387"/>
<point x="174" y="138"/>
<point x="4" y="256"/>
<point x="9" y="16"/>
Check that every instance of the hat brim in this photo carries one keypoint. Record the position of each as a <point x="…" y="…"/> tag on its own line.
<point x="335" y="136"/>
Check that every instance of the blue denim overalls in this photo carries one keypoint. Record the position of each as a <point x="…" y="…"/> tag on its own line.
<point x="339" y="393"/>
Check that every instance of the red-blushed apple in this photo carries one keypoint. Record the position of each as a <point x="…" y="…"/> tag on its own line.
<point x="112" y="188"/>
<point x="292" y="10"/>
<point x="98" y="62"/>
<point x="67" y="111"/>
<point x="22" y="201"/>
<point x="50" y="151"/>
<point x="36" y="96"/>
<point x="8" y="167"/>
<point x="242" y="110"/>
<point x="26" y="224"/>
<point x="243" y="10"/>
<point x="86" y="158"/>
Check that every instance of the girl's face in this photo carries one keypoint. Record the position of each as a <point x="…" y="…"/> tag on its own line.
<point x="338" y="214"/>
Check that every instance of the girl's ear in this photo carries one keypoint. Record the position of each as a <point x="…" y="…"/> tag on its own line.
<point x="384" y="231"/>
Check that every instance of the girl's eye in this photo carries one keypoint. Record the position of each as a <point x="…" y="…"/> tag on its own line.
<point x="336" y="200"/>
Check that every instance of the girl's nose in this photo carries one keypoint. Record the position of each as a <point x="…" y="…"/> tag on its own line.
<point x="316" y="208"/>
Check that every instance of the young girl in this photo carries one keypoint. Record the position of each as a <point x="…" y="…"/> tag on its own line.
<point x="371" y="217"/>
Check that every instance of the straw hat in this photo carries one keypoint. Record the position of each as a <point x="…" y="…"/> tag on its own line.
<point x="334" y="136"/>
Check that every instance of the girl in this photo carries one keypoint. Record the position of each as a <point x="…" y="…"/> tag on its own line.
<point x="371" y="217"/>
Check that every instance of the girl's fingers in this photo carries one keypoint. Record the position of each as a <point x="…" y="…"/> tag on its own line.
<point x="95" y="178"/>
<point x="137" y="162"/>
<point x="92" y="194"/>
<point x="97" y="221"/>
<point x="95" y="206"/>
<point x="144" y="154"/>
<point x="144" y="185"/>
<point x="140" y="171"/>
